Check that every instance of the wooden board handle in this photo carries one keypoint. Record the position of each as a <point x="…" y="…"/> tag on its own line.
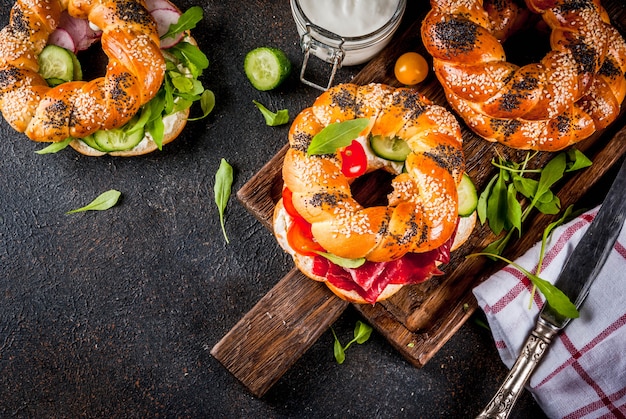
<point x="278" y="330"/>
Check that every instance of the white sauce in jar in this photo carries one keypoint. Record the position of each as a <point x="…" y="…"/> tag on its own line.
<point x="349" y="18"/>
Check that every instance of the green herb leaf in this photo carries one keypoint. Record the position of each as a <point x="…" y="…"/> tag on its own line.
<point x="338" y="351"/>
<point x="577" y="160"/>
<point x="223" y="183"/>
<point x="191" y="57"/>
<point x="336" y="135"/>
<point x="362" y="332"/>
<point x="343" y="262"/>
<point x="186" y="21"/>
<point x="497" y="205"/>
<point x="207" y="103"/>
<point x="551" y="173"/>
<point x="514" y="208"/>
<point x="554" y="296"/>
<point x="481" y="208"/>
<point x="55" y="147"/>
<point x="273" y="119"/>
<point x="104" y="201"/>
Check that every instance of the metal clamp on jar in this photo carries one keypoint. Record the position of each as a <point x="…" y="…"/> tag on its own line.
<point x="345" y="32"/>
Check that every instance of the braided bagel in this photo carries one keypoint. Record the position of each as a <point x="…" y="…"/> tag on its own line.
<point x="422" y="215"/>
<point x="575" y="90"/>
<point x="134" y="73"/>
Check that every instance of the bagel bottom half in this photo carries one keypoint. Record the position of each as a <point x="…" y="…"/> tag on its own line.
<point x="282" y="221"/>
<point x="174" y="125"/>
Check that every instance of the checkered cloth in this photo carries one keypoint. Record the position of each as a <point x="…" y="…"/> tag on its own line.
<point x="583" y="374"/>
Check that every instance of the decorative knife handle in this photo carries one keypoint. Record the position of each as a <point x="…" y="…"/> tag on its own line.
<point x="535" y="347"/>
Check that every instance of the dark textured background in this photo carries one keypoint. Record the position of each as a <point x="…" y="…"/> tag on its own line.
<point x="113" y="313"/>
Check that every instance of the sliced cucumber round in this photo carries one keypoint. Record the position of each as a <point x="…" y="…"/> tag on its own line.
<point x="56" y="63"/>
<point x="266" y="67"/>
<point x="468" y="198"/>
<point x="389" y="148"/>
<point x="91" y="142"/>
<point x="117" y="139"/>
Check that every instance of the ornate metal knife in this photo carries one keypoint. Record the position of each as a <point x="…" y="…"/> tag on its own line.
<point x="580" y="270"/>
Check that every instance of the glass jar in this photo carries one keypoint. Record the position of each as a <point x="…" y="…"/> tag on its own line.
<point x="341" y="50"/>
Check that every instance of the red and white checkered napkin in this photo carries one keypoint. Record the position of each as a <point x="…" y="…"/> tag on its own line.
<point x="583" y="374"/>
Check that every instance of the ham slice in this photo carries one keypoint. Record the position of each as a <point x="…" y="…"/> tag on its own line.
<point x="370" y="279"/>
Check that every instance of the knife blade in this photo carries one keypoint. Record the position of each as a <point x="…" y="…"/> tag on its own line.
<point x="580" y="270"/>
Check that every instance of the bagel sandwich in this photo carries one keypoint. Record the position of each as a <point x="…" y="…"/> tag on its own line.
<point x="366" y="254"/>
<point x="141" y="103"/>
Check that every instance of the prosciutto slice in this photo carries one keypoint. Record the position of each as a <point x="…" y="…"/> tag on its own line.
<point x="370" y="279"/>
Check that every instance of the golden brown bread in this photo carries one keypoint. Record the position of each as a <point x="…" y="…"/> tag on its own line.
<point x="281" y="222"/>
<point x="575" y="90"/>
<point x="133" y="76"/>
<point x="422" y="210"/>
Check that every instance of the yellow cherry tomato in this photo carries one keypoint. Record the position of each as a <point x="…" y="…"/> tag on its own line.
<point x="411" y="68"/>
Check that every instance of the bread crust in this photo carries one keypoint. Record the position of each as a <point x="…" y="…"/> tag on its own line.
<point x="574" y="91"/>
<point x="281" y="222"/>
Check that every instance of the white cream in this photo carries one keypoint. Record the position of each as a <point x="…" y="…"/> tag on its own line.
<point x="350" y="18"/>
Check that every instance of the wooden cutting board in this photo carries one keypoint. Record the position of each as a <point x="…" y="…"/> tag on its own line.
<point x="420" y="318"/>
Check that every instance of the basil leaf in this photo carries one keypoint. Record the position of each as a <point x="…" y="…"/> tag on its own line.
<point x="336" y="135"/>
<point x="186" y="21"/>
<point x="102" y="202"/>
<point x="55" y="147"/>
<point x="273" y="119"/>
<point x="343" y="262"/>
<point x="221" y="189"/>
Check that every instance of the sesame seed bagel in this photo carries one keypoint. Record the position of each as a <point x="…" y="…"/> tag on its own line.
<point x="422" y="211"/>
<point x="134" y="73"/>
<point x="575" y="90"/>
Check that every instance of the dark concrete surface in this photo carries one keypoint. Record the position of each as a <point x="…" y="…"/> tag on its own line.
<point x="113" y="314"/>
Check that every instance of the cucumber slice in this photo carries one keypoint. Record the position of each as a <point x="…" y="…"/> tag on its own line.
<point x="56" y="63"/>
<point x="77" y="73"/>
<point x="468" y="198"/>
<point x="389" y="148"/>
<point x="117" y="139"/>
<point x="91" y="142"/>
<point x="266" y="67"/>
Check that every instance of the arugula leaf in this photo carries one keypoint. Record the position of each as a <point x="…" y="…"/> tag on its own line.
<point x="102" y="202"/>
<point x="343" y="262"/>
<point x="498" y="204"/>
<point x="555" y="297"/>
<point x="336" y="135"/>
<point x="186" y="21"/>
<point x="273" y="119"/>
<point x="221" y="189"/>
<point x="55" y="147"/>
<point x="207" y="103"/>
